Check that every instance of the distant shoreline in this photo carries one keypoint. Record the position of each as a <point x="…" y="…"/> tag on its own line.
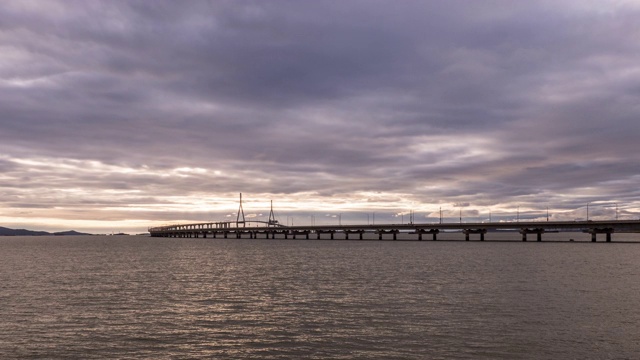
<point x="24" y="232"/>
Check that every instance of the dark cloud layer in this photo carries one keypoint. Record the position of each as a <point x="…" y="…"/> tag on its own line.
<point x="146" y="106"/>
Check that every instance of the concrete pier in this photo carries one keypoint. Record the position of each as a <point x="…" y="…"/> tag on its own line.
<point x="468" y="232"/>
<point x="421" y="232"/>
<point x="358" y="232"/>
<point x="381" y="232"/>
<point x="537" y="231"/>
<point x="595" y="231"/>
<point x="330" y="232"/>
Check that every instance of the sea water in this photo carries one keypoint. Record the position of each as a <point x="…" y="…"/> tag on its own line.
<point x="138" y="297"/>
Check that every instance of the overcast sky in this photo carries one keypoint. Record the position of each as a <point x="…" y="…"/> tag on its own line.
<point x="119" y="115"/>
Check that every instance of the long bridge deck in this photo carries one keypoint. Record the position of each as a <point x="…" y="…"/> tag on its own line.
<point x="261" y="229"/>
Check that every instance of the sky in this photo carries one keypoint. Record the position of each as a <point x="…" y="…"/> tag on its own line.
<point x="116" y="116"/>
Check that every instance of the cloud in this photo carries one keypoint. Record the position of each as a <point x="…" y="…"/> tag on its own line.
<point x="426" y="103"/>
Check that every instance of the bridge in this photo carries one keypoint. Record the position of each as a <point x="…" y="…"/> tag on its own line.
<point x="272" y="229"/>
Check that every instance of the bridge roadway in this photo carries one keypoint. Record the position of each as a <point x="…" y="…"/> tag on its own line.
<point x="261" y="229"/>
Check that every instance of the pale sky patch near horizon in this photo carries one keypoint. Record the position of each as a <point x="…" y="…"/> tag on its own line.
<point x="119" y="115"/>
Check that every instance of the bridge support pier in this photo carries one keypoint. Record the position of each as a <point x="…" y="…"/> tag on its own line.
<point x="359" y="232"/>
<point x="420" y="232"/>
<point x="320" y="232"/>
<point x="295" y="233"/>
<point x="537" y="231"/>
<point x="392" y="231"/>
<point x="594" y="232"/>
<point x="468" y="232"/>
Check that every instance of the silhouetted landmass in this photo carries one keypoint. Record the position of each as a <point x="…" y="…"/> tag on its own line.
<point x="23" y="232"/>
<point x="70" y="232"/>
<point x="18" y="232"/>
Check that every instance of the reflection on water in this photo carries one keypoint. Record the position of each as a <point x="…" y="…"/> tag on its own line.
<point x="139" y="297"/>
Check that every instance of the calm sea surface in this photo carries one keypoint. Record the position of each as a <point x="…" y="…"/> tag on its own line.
<point x="148" y="298"/>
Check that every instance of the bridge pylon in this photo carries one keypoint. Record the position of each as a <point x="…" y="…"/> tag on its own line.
<point x="240" y="211"/>
<point x="272" y="217"/>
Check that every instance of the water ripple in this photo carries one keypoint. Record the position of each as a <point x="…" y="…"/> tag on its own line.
<point x="143" y="298"/>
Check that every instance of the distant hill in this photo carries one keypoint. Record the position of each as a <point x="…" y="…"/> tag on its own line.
<point x="23" y="232"/>
<point x="70" y="232"/>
